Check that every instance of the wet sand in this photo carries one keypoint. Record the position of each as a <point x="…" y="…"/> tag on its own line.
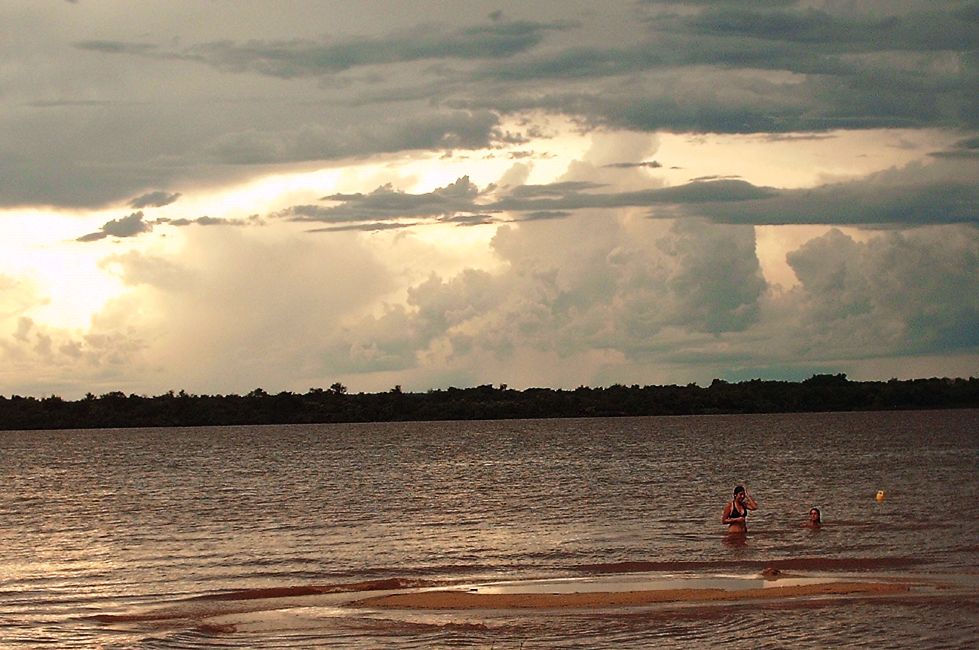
<point x="605" y="592"/>
<point x="461" y="600"/>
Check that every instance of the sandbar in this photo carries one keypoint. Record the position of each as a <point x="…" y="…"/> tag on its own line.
<point x="464" y="600"/>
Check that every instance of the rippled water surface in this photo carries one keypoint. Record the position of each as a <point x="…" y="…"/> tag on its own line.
<point x="105" y="522"/>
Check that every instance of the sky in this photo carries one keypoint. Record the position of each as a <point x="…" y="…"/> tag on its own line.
<point x="224" y="195"/>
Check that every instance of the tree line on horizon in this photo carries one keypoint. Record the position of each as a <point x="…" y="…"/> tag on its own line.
<point x="486" y="402"/>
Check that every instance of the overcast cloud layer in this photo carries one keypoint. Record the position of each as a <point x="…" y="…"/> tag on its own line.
<point x="102" y="105"/>
<point x="546" y="193"/>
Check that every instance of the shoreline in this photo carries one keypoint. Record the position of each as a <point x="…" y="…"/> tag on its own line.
<point x="466" y="600"/>
<point x="612" y="594"/>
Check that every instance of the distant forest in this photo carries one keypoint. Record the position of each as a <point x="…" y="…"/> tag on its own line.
<point x="336" y="404"/>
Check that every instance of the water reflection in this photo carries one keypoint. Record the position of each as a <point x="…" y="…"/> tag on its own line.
<point x="735" y="540"/>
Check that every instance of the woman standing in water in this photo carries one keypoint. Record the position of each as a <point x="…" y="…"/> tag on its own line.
<point x="736" y="511"/>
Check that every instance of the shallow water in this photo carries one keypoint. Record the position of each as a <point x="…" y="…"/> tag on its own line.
<point x="107" y="522"/>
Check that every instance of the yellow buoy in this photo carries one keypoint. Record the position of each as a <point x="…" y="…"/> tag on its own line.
<point x="880" y="496"/>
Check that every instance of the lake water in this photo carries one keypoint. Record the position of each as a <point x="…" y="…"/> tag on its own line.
<point x="101" y="523"/>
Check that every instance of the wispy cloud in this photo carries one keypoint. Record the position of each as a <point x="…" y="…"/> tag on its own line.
<point x="135" y="224"/>
<point x="883" y="200"/>
<point x="302" y="58"/>
<point x="156" y="199"/>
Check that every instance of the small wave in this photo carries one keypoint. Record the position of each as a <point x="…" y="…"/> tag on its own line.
<point x="797" y="564"/>
<point x="454" y="568"/>
<point x="313" y="590"/>
<point x="972" y="548"/>
<point x="197" y="606"/>
<point x="875" y="525"/>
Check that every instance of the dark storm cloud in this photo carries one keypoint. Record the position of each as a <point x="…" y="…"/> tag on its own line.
<point x="903" y="197"/>
<point x="570" y="198"/>
<point x="156" y="199"/>
<point x="968" y="148"/>
<point x="741" y="3"/>
<point x="430" y="131"/>
<point x="858" y="203"/>
<point x="706" y="99"/>
<point x="302" y="58"/>
<point x="768" y="67"/>
<point x="855" y="71"/>
<point x="460" y="200"/>
<point x="930" y="29"/>
<point x="859" y="71"/>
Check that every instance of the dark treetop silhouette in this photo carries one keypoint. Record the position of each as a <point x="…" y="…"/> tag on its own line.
<point x="818" y="393"/>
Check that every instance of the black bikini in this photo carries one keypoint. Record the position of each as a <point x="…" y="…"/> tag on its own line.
<point x="735" y="513"/>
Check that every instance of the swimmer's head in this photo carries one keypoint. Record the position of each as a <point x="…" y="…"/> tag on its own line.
<point x="814" y="517"/>
<point x="739" y="490"/>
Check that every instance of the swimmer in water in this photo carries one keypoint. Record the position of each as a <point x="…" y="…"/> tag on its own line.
<point x="815" y="520"/>
<point x="736" y="511"/>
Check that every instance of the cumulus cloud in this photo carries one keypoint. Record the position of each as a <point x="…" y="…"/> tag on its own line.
<point x="616" y="290"/>
<point x="42" y="359"/>
<point x="899" y="293"/>
<point x="683" y="295"/>
<point x="673" y="299"/>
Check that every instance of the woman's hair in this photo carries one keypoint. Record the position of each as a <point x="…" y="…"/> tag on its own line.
<point x="738" y="490"/>
<point x="816" y="510"/>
